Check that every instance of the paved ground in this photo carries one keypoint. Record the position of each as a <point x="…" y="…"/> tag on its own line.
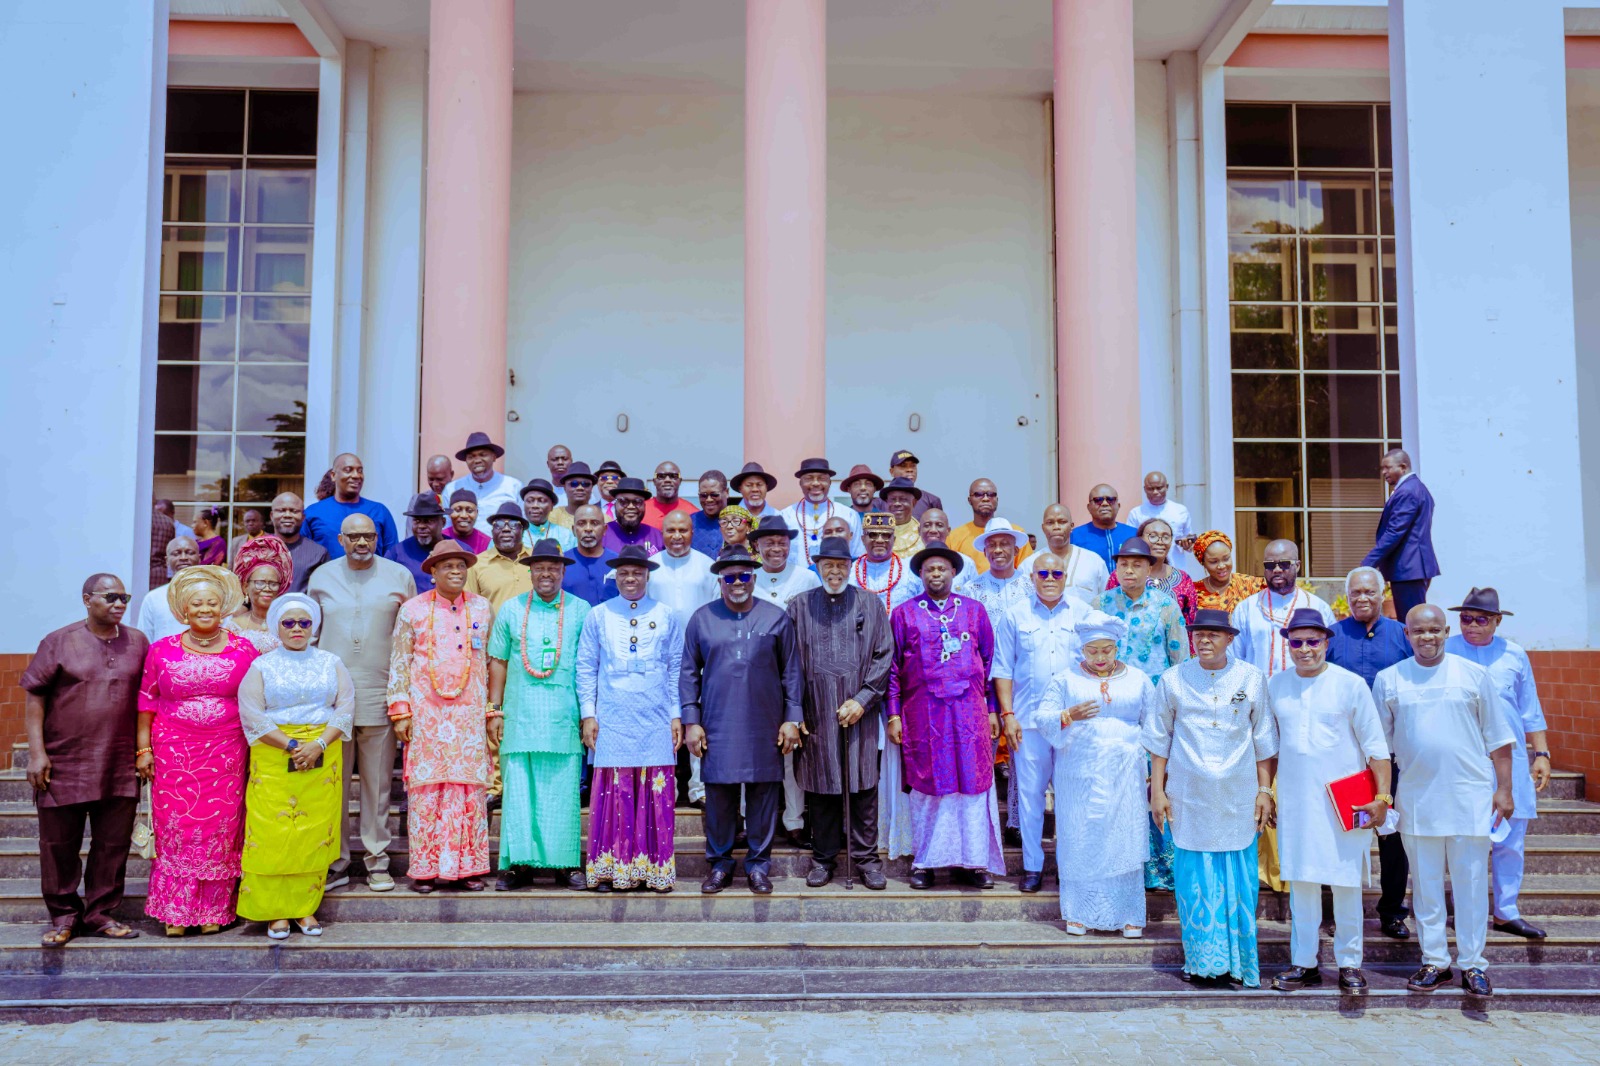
<point x="1153" y="1036"/>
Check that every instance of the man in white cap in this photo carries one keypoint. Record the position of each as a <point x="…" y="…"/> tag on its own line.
<point x="491" y="487"/>
<point x="1328" y="730"/>
<point x="1002" y="586"/>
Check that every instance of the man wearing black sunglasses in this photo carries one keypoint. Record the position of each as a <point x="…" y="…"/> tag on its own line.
<point x="740" y="687"/>
<point x="83" y="687"/>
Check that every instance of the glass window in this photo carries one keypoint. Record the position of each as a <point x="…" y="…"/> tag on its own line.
<point x="231" y="375"/>
<point x="1312" y="319"/>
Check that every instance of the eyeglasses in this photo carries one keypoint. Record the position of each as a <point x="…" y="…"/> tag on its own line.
<point x="985" y="495"/>
<point x="1051" y="575"/>
<point x="1102" y="500"/>
<point x="295" y="623"/>
<point x="116" y="597"/>
<point x="503" y="523"/>
<point x="609" y="477"/>
<point x="359" y="538"/>
<point x="1477" y="620"/>
<point x="1306" y="642"/>
<point x="743" y="577"/>
<point x="265" y="586"/>
<point x="1158" y="538"/>
<point x="1285" y="564"/>
<point x="578" y="483"/>
<point x="667" y="477"/>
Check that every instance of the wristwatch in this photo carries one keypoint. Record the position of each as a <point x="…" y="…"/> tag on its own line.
<point x="1388" y="800"/>
<point x="1541" y="755"/>
<point x="293" y="744"/>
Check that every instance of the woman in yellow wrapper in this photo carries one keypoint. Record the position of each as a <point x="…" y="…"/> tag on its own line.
<point x="295" y="704"/>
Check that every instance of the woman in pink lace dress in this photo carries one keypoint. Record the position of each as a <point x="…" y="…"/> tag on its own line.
<point x="193" y="751"/>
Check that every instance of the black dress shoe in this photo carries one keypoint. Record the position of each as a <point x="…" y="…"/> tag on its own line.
<point x="1476" y="983"/>
<point x="1011" y="838"/>
<point x="1519" y="927"/>
<point x="1031" y="881"/>
<point x="1297" y="977"/>
<point x="1352" y="981"/>
<point x="576" y="880"/>
<point x="760" y="883"/>
<point x="921" y="879"/>
<point x="698" y="805"/>
<point x="819" y="875"/>
<point x="1394" y="928"/>
<point x="976" y="878"/>
<point x="1428" y="979"/>
<point x="798" y="838"/>
<point x="514" y="878"/>
<point x="873" y="878"/>
<point x="715" y="881"/>
<point x="494" y="802"/>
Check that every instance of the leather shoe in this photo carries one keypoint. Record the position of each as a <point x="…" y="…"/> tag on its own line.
<point x="1032" y="880"/>
<point x="977" y="878"/>
<point x="715" y="881"/>
<point x="1394" y="928"/>
<point x="921" y="879"/>
<point x="1297" y="977"/>
<point x="514" y="878"/>
<point x="1519" y="927"/>
<point x="873" y="878"/>
<point x="577" y="881"/>
<point x="1476" y="983"/>
<point x="819" y="875"/>
<point x="1428" y="979"/>
<point x="760" y="883"/>
<point x="1352" y="981"/>
<point x="1011" y="838"/>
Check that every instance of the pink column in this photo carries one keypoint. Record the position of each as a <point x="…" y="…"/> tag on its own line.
<point x="467" y="252"/>
<point x="1097" y="274"/>
<point x="785" y="226"/>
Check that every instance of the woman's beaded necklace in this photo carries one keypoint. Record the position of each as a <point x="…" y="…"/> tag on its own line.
<point x="896" y="572"/>
<point x="561" y="629"/>
<point x="433" y="650"/>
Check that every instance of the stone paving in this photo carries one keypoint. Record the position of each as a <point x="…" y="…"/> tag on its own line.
<point x="1143" y="1036"/>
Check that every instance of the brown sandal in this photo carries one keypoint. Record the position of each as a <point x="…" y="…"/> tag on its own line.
<point x="115" y="931"/>
<point x="57" y="937"/>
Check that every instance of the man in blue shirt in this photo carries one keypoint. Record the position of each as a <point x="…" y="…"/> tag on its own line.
<point x="1365" y="643"/>
<point x="707" y="524"/>
<point x="1103" y="534"/>
<point x="324" y="517"/>
<point x="427" y="528"/>
<point x="587" y="578"/>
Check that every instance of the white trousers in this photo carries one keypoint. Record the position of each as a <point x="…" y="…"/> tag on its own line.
<point x="1305" y="924"/>
<point x="1032" y="765"/>
<point x="1505" y="870"/>
<point x="1467" y="859"/>
<point x="697" y="787"/>
<point x="794" y="797"/>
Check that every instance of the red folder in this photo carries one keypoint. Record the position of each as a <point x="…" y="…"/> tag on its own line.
<point x="1357" y="790"/>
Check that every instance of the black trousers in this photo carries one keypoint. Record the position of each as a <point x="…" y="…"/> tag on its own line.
<point x="60" y="868"/>
<point x="1394" y="869"/>
<point x="763" y="801"/>
<point x="828" y="828"/>
<point x="1408" y="594"/>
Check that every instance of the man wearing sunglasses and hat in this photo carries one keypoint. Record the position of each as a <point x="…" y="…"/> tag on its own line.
<point x="627" y="527"/>
<point x="740" y="689"/>
<point x="1512" y="675"/>
<point x="490" y="487"/>
<point x="1156" y="638"/>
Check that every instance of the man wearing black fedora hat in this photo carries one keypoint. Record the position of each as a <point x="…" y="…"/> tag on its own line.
<point x="740" y="689"/>
<point x="752" y="484"/>
<point x="539" y="500"/>
<point x="577" y="484"/>
<point x="607" y="476"/>
<point x="782" y="576"/>
<point x="1157" y="638"/>
<point x="488" y="485"/>
<point x="427" y="529"/>
<point x="1479" y="641"/>
<point x="628" y="528"/>
<point x="811" y="511"/>
<point x="499" y="574"/>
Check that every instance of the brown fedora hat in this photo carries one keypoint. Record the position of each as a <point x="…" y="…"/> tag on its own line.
<point x="447" y="549"/>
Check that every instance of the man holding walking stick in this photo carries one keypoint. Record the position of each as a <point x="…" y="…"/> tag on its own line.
<point x="845" y="653"/>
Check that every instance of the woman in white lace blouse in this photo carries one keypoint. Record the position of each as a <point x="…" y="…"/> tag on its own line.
<point x="295" y="704"/>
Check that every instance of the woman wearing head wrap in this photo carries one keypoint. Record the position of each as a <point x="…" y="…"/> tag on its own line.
<point x="1090" y="715"/>
<point x="736" y="523"/>
<point x="264" y="568"/>
<point x="296" y="705"/>
<point x="1221" y="589"/>
<point x="193" y="753"/>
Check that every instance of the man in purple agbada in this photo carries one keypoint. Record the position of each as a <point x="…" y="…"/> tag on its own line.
<point x="628" y="500"/>
<point x="940" y="713"/>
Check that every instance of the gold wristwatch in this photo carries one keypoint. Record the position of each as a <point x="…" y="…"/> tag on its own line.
<point x="1388" y="800"/>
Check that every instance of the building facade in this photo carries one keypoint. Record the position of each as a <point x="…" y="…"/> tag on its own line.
<point x="1051" y="242"/>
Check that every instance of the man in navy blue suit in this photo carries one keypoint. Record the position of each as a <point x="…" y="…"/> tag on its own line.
<point x="1404" y="549"/>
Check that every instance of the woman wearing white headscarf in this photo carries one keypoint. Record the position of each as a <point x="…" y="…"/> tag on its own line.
<point x="295" y="704"/>
<point x="1091" y="715"/>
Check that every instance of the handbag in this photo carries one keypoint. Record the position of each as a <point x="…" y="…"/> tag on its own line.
<point x="144" y="830"/>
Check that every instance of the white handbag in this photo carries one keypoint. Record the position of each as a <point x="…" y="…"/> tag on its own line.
<point x="144" y="831"/>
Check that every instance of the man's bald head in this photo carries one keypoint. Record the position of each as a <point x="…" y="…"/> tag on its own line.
<point x="348" y="477"/>
<point x="1057" y="526"/>
<point x="288" y="512"/>
<point x="1427" y="628"/>
<point x="358" y="536"/>
<point x="357" y="524"/>
<point x="1155" y="488"/>
<point x="1396" y="464"/>
<point x="1280" y="565"/>
<point x="985" y="500"/>
<point x="182" y="552"/>
<point x="1104" y="506"/>
<point x="438" y="471"/>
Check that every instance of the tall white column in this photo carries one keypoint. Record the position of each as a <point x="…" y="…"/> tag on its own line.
<point x="1484" y="264"/>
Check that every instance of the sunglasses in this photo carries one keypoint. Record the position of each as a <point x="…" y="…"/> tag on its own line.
<point x="578" y="483"/>
<point x="1306" y="642"/>
<point x="295" y="623"/>
<point x="1102" y="499"/>
<point x="744" y="577"/>
<point x="116" y="597"/>
<point x="1476" y="620"/>
<point x="1285" y="565"/>
<point x="1052" y="575"/>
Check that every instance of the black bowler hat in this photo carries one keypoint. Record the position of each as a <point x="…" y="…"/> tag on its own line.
<point x="425" y="505"/>
<point x="1306" y="618"/>
<point x="833" y="548"/>
<point x="511" y="511"/>
<point x="736" y="555"/>
<point x="547" y="550"/>
<point x="631" y="486"/>
<point x="900" y="484"/>
<point x="815" y="466"/>
<point x="1134" y="548"/>
<point x="1486" y="600"/>
<point x="771" y="526"/>
<point x="610" y="466"/>
<point x="576" y="470"/>
<point x="752" y="470"/>
<point x="1210" y="618"/>
<point x="634" y="555"/>
<point x="937" y="550"/>
<point x="539" y="484"/>
<point x="480" y="440"/>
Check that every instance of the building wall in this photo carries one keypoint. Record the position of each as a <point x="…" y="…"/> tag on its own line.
<point x="1583" y="153"/>
<point x="1569" y="688"/>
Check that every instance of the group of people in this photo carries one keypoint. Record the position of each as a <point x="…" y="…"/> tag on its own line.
<point x="856" y="677"/>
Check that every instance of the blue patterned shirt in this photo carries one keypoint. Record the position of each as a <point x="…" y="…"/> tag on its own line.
<point x="1157" y="638"/>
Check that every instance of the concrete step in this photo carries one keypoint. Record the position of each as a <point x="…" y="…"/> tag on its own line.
<point x="298" y="994"/>
<point x="368" y="947"/>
